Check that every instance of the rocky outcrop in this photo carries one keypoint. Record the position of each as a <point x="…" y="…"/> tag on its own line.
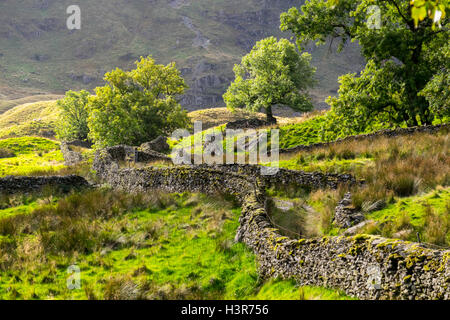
<point x="72" y="157"/>
<point x="12" y="185"/>
<point x="108" y="160"/>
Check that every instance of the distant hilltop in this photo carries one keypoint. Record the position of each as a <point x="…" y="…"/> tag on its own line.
<point x="205" y="37"/>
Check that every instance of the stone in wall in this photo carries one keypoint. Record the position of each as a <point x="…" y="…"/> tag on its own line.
<point x="253" y="123"/>
<point x="72" y="157"/>
<point x="367" y="267"/>
<point x="108" y="160"/>
<point x="346" y="215"/>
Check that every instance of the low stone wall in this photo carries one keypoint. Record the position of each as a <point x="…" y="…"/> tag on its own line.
<point x="383" y="133"/>
<point x="252" y="123"/>
<point x="286" y="177"/>
<point x="11" y="185"/>
<point x="367" y="267"/>
<point x="107" y="160"/>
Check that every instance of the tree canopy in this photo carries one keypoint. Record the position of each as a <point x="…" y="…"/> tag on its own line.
<point x="137" y="106"/>
<point x="272" y="73"/>
<point x="403" y="55"/>
<point x="72" y="123"/>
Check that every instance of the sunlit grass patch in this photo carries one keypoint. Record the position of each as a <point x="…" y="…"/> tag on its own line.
<point x="288" y="290"/>
<point x="426" y="215"/>
<point x="32" y="155"/>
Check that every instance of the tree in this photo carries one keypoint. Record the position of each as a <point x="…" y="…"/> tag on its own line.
<point x="137" y="106"/>
<point x="438" y="94"/>
<point x="272" y="73"/>
<point x="72" y="122"/>
<point x="402" y="54"/>
<point x="434" y="10"/>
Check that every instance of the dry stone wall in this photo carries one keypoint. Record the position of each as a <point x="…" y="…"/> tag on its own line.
<point x="367" y="267"/>
<point x="11" y="185"/>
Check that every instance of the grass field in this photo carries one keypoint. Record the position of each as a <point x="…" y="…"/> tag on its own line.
<point x="29" y="155"/>
<point x="180" y="246"/>
<point x="6" y="105"/>
<point x="401" y="176"/>
<point x="152" y="246"/>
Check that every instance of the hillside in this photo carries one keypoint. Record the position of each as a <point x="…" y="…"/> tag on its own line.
<point x="166" y="245"/>
<point x="34" y="118"/>
<point x="204" y="37"/>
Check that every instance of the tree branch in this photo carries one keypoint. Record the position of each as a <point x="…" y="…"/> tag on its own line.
<point x="407" y="21"/>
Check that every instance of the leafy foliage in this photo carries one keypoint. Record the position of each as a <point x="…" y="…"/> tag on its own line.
<point x="438" y="95"/>
<point x="137" y="106"/>
<point x="402" y="58"/>
<point x="73" y="118"/>
<point x="272" y="73"/>
<point x="433" y="9"/>
<point x="422" y="9"/>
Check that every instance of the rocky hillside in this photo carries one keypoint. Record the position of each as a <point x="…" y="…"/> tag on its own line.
<point x="205" y="37"/>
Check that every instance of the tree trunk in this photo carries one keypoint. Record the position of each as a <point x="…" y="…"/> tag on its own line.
<point x="270" y="117"/>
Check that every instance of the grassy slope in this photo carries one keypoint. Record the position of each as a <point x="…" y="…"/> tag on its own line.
<point x="169" y="247"/>
<point x="427" y="214"/>
<point x="400" y="172"/>
<point x="31" y="154"/>
<point x="115" y="33"/>
<point x="37" y="118"/>
<point x="310" y="130"/>
<point x="6" y="105"/>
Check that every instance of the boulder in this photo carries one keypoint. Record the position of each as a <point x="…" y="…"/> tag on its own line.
<point x="159" y="145"/>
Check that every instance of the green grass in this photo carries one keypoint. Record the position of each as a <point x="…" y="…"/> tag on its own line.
<point x="304" y="133"/>
<point x="414" y="207"/>
<point x="171" y="247"/>
<point x="414" y="215"/>
<point x="18" y="210"/>
<point x="31" y="154"/>
<point x="330" y="166"/>
<point x="287" y="290"/>
<point x="394" y="169"/>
